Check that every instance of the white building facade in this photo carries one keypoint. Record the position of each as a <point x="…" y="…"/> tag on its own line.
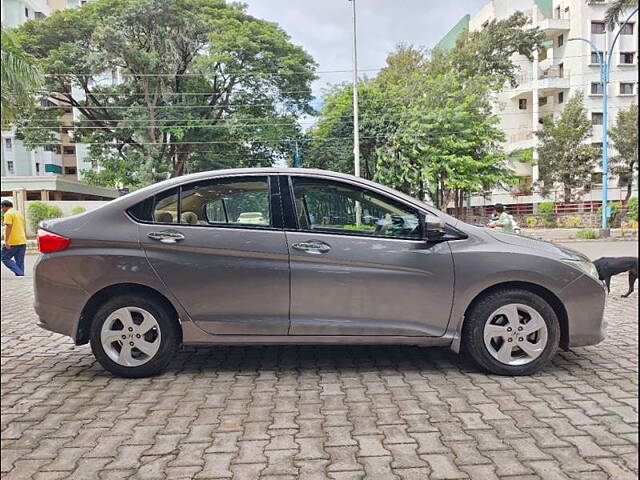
<point x="560" y="70"/>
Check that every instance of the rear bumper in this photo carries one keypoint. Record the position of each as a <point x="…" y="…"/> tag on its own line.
<point x="58" y="301"/>
<point x="584" y="300"/>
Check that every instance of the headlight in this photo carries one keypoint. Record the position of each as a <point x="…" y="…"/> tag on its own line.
<point x="585" y="267"/>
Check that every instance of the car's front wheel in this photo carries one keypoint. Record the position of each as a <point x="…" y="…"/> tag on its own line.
<point x="133" y="336"/>
<point x="511" y="332"/>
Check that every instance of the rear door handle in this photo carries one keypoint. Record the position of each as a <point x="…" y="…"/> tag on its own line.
<point x="312" y="246"/>
<point x="166" y="236"/>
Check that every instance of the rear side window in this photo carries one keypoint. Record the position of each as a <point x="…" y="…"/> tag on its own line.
<point x="241" y="201"/>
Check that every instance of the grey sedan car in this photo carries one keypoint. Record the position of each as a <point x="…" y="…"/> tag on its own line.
<point x="297" y="256"/>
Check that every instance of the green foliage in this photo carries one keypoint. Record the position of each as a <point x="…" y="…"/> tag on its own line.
<point x="632" y="206"/>
<point x="426" y="123"/>
<point x="614" y="209"/>
<point x="546" y="209"/>
<point x="18" y="80"/>
<point x="616" y="10"/>
<point x="587" y="234"/>
<point x="624" y="136"/>
<point x="39" y="211"/>
<point x="532" y="222"/>
<point x="204" y="86"/>
<point x="78" y="210"/>
<point x="563" y="155"/>
<point x="572" y="222"/>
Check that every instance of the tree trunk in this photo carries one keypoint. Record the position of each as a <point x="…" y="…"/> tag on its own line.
<point x="629" y="189"/>
<point x="567" y="195"/>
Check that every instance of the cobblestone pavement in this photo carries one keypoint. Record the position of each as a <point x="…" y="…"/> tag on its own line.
<point x="316" y="412"/>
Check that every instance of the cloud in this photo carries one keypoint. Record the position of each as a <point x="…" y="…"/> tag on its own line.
<point x="324" y="29"/>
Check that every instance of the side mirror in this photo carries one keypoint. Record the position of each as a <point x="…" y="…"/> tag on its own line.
<point x="433" y="228"/>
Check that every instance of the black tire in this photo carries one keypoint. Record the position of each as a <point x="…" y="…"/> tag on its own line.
<point x="169" y="339"/>
<point x="477" y="316"/>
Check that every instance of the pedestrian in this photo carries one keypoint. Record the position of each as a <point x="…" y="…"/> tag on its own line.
<point x="501" y="219"/>
<point x="14" y="245"/>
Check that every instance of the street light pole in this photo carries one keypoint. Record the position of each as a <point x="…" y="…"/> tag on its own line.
<point x="356" y="127"/>
<point x="605" y="65"/>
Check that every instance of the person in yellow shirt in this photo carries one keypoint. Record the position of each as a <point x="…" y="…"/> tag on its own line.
<point x="15" y="239"/>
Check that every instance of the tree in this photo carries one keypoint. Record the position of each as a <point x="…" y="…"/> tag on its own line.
<point x="19" y="80"/>
<point x="624" y="136"/>
<point x="204" y="85"/>
<point x="563" y="157"/>
<point x="616" y="10"/>
<point x="447" y="142"/>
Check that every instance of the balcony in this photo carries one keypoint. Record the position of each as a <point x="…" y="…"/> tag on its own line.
<point x="548" y="79"/>
<point x="519" y="140"/>
<point x="554" y="26"/>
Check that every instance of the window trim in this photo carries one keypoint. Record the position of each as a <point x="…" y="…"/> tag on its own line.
<point x="352" y="233"/>
<point x="272" y="203"/>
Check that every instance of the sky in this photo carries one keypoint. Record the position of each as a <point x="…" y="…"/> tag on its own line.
<point x="324" y="29"/>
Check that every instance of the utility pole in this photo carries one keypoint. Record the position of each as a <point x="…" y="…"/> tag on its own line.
<point x="356" y="127"/>
<point x="605" y="64"/>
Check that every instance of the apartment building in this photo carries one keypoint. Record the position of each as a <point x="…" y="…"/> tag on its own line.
<point x="559" y="70"/>
<point x="51" y="171"/>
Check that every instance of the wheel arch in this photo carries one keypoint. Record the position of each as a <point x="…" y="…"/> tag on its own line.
<point x="550" y="297"/>
<point x="98" y="298"/>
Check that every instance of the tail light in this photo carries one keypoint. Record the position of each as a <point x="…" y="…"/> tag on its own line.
<point x="50" y="242"/>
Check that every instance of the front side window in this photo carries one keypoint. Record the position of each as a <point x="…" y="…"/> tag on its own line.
<point x="335" y="207"/>
<point x="228" y="201"/>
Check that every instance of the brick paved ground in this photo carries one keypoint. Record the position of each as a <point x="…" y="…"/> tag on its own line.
<point x="315" y="412"/>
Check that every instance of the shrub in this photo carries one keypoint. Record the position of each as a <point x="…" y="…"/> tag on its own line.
<point x="587" y="234"/>
<point x="547" y="223"/>
<point x="572" y="222"/>
<point x="532" y="222"/>
<point x="78" y="210"/>
<point x="559" y="222"/>
<point x="633" y="209"/>
<point x="615" y="209"/>
<point x="546" y="209"/>
<point x="39" y="211"/>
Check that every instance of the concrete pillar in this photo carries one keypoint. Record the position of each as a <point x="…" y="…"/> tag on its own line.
<point x="19" y="199"/>
<point x="44" y="195"/>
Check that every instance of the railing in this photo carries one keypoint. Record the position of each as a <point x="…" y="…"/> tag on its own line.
<point x="521" y="136"/>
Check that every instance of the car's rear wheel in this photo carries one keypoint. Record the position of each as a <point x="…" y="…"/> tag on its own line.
<point x="133" y="336"/>
<point x="511" y="332"/>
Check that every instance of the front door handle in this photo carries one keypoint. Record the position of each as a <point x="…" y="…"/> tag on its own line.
<point x="166" y="236"/>
<point x="312" y="246"/>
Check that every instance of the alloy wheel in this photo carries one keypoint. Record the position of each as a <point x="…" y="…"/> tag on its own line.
<point x="130" y="336"/>
<point x="515" y="334"/>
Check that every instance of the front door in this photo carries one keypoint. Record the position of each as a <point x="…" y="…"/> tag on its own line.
<point x="359" y="265"/>
<point x="217" y="247"/>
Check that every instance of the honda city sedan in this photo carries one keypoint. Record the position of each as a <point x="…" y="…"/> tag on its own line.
<point x="297" y="256"/>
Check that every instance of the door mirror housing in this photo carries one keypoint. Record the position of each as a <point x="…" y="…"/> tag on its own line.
<point x="433" y="228"/>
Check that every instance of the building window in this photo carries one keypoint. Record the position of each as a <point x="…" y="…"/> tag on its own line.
<point x="485" y="24"/>
<point x="561" y="70"/>
<point x="594" y="57"/>
<point x="596" y="88"/>
<point x="597" y="148"/>
<point x="68" y="150"/>
<point x="627" y="58"/>
<point x="560" y="40"/>
<point x="596" y="178"/>
<point x="542" y="101"/>
<point x="38" y="15"/>
<point x="37" y="167"/>
<point x="597" y="28"/>
<point x="49" y="148"/>
<point x="10" y="166"/>
<point x="70" y="170"/>
<point x="26" y="12"/>
<point x="8" y="143"/>
<point x="561" y="97"/>
<point x="522" y="104"/>
<point x="596" y="118"/>
<point x="628" y="29"/>
<point x="626" y="88"/>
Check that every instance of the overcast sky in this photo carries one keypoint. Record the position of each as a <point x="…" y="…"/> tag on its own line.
<point x="323" y="28"/>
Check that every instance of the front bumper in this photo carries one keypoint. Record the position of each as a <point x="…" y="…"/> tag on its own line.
<point x="584" y="300"/>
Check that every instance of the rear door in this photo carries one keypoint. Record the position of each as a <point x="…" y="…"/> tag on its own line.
<point x="359" y="265"/>
<point x="219" y="246"/>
